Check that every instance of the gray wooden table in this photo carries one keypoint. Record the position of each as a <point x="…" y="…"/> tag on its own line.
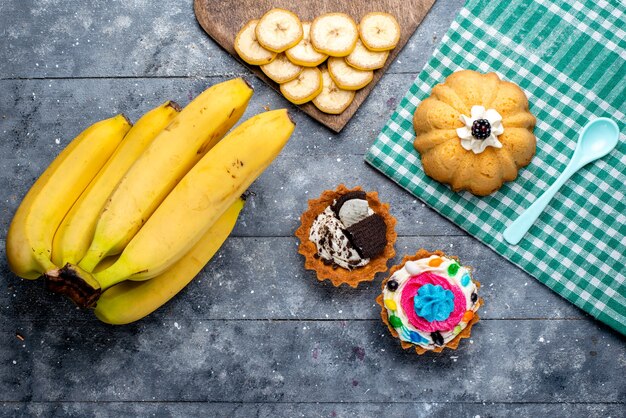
<point x="256" y="334"/>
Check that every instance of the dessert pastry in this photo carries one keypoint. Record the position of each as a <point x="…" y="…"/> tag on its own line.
<point x="347" y="236"/>
<point x="429" y="301"/>
<point x="474" y="132"/>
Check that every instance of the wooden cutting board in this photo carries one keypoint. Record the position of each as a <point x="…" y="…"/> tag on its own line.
<point x="222" y="20"/>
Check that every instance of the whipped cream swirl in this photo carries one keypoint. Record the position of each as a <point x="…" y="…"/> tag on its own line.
<point x="477" y="145"/>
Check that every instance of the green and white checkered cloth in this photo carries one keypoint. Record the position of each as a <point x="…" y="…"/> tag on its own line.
<point x="569" y="56"/>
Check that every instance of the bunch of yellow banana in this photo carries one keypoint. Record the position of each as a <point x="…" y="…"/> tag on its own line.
<point x="125" y="217"/>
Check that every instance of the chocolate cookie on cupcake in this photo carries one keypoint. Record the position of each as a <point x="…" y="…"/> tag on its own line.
<point x="430" y="301"/>
<point x="347" y="236"/>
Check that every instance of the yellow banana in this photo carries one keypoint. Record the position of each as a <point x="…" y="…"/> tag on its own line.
<point x="209" y="188"/>
<point x="76" y="231"/>
<point x="29" y="241"/>
<point x="197" y="128"/>
<point x="130" y="301"/>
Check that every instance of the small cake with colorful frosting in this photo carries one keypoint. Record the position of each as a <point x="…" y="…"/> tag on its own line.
<point x="347" y="236"/>
<point x="474" y="132"/>
<point x="429" y="301"/>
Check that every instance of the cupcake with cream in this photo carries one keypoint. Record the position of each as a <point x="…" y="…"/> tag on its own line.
<point x="430" y="301"/>
<point x="347" y="236"/>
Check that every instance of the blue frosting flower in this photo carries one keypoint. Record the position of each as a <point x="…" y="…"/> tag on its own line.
<point x="433" y="303"/>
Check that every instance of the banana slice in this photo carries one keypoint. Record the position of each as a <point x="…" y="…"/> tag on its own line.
<point x="346" y="77"/>
<point x="279" y="30"/>
<point x="379" y="31"/>
<point x="332" y="99"/>
<point x="303" y="88"/>
<point x="363" y="59"/>
<point x="334" y="34"/>
<point x="303" y="54"/>
<point x="249" y="49"/>
<point x="281" y="70"/>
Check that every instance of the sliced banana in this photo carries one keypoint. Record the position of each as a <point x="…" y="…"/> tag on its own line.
<point x="379" y="31"/>
<point x="332" y="99"/>
<point x="334" y="34"/>
<point x="346" y="77"/>
<point x="303" y="88"/>
<point x="279" y="30"/>
<point x="364" y="59"/>
<point x="303" y="53"/>
<point x="281" y="70"/>
<point x="249" y="49"/>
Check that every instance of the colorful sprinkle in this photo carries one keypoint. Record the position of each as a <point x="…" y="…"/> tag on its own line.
<point x="467" y="316"/>
<point x="391" y="304"/>
<point x="453" y="269"/>
<point x="465" y="280"/>
<point x="395" y="321"/>
<point x="412" y="268"/>
<point x="435" y="262"/>
<point x="416" y="338"/>
<point x="437" y="338"/>
<point x="457" y="330"/>
<point x="392" y="285"/>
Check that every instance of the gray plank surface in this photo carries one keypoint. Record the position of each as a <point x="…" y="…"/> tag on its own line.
<point x="248" y="277"/>
<point x="255" y="334"/>
<point x="184" y="359"/>
<point x="100" y="38"/>
<point x="321" y="410"/>
<point x="44" y="110"/>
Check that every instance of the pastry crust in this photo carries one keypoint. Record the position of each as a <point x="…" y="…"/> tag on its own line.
<point x="339" y="275"/>
<point x="452" y="344"/>
<point x="437" y="117"/>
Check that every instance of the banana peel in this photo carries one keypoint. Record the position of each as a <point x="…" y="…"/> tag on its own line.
<point x="130" y="301"/>
<point x="194" y="205"/>
<point x="29" y="240"/>
<point x="177" y="148"/>
<point x="74" y="235"/>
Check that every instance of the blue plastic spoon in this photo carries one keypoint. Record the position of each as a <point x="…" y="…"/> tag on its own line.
<point x="597" y="139"/>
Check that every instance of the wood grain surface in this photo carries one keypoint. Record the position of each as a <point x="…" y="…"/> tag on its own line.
<point x="256" y="335"/>
<point x="223" y="19"/>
